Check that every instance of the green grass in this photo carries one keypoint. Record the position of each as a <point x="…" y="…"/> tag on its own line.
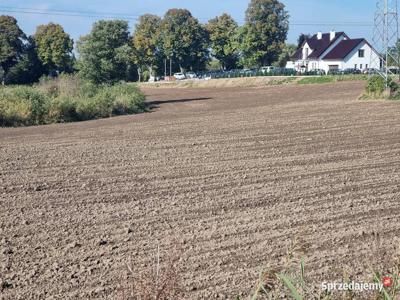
<point x="316" y="80"/>
<point x="330" y="79"/>
<point x="66" y="99"/>
<point x="286" y="80"/>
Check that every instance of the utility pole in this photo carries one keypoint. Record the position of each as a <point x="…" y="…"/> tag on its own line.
<point x="385" y="38"/>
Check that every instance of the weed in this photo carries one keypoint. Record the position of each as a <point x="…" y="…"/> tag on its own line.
<point x="66" y="99"/>
<point x="160" y="282"/>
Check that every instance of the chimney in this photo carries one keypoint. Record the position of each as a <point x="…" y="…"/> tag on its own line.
<point x="319" y="35"/>
<point x="333" y="34"/>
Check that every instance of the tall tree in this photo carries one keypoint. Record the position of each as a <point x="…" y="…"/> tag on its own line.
<point x="11" y="44"/>
<point x="222" y="31"/>
<point x="54" y="48"/>
<point x="287" y="52"/>
<point x="301" y="39"/>
<point x="263" y="36"/>
<point x="185" y="40"/>
<point x="147" y="51"/>
<point x="29" y="68"/>
<point x="105" y="53"/>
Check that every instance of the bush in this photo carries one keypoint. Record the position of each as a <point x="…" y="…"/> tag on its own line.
<point x="63" y="109"/>
<point x="66" y="99"/>
<point x="23" y="106"/>
<point x="375" y="86"/>
<point x="127" y="100"/>
<point x="376" y="89"/>
<point x="13" y="111"/>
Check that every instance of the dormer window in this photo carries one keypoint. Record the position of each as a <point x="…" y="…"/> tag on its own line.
<point x="305" y="53"/>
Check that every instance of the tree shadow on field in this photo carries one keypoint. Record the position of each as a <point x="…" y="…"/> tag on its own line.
<point x="156" y="104"/>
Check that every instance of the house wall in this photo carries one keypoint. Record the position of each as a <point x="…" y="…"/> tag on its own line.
<point x="325" y="64"/>
<point x="305" y="48"/>
<point x="352" y="59"/>
<point x="312" y="64"/>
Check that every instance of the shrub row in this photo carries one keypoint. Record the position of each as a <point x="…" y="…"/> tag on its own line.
<point x="66" y="99"/>
<point x="376" y="88"/>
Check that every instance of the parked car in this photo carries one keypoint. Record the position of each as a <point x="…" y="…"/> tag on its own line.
<point x="179" y="76"/>
<point x="369" y="71"/>
<point x="394" y="70"/>
<point x="268" y="69"/>
<point x="191" y="75"/>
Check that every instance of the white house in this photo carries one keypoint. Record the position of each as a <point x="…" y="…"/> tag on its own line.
<point x="333" y="51"/>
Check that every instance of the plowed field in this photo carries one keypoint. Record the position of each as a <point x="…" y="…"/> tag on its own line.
<point x="232" y="176"/>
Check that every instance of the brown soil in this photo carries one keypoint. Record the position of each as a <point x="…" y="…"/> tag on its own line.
<point x="230" y="176"/>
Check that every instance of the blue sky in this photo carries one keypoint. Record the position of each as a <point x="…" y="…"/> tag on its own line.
<point x="352" y="16"/>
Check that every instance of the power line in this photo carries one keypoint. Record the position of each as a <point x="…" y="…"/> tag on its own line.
<point x="67" y="12"/>
<point x="87" y="14"/>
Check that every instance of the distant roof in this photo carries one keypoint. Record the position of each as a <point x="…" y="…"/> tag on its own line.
<point x="320" y="46"/>
<point x="298" y="54"/>
<point x="343" y="49"/>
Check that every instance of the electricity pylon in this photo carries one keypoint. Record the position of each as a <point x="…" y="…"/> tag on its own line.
<point x="385" y="38"/>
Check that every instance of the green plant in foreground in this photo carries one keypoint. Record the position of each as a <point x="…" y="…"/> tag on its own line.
<point x="294" y="286"/>
<point x="376" y="89"/>
<point x="376" y="85"/>
<point x="392" y="290"/>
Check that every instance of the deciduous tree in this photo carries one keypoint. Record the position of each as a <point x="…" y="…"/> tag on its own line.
<point x="29" y="68"/>
<point x="185" y="40"/>
<point x="263" y="36"/>
<point x="11" y="44"/>
<point x="147" y="51"/>
<point x="301" y="39"/>
<point x="287" y="52"/>
<point x="105" y="53"/>
<point x="54" y="48"/>
<point x="222" y="31"/>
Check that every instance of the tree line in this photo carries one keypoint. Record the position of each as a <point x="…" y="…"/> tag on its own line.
<point x="110" y="53"/>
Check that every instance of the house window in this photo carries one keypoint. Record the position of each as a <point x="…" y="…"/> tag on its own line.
<point x="366" y="66"/>
<point x="360" y="66"/>
<point x="361" y="53"/>
<point x="355" y="66"/>
<point x="306" y="53"/>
